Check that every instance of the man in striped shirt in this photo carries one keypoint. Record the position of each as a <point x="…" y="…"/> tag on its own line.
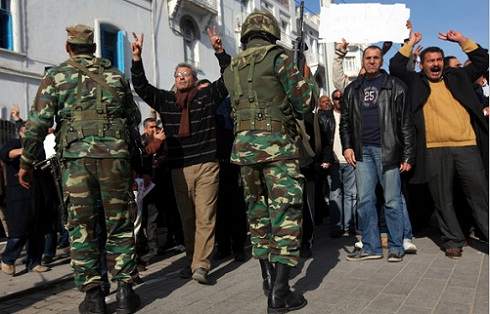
<point x="189" y="120"/>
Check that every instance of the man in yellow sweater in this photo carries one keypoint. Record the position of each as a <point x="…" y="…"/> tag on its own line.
<point x="451" y="131"/>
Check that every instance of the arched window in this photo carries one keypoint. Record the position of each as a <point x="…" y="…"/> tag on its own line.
<point x="6" y="36"/>
<point x="190" y="34"/>
<point x="112" y="44"/>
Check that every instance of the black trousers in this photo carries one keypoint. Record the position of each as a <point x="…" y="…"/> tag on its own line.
<point x="231" y="215"/>
<point x="443" y="165"/>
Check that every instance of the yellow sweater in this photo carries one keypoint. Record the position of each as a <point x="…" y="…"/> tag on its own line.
<point x="447" y="123"/>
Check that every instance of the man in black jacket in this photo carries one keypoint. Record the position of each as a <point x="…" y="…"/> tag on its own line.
<point x="451" y="132"/>
<point x="377" y="138"/>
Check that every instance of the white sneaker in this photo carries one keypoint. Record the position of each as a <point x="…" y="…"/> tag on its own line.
<point x="358" y="244"/>
<point x="409" y="247"/>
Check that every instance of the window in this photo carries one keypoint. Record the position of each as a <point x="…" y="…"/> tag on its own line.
<point x="284" y="25"/>
<point x="284" y="22"/>
<point x="267" y="6"/>
<point x="6" y="38"/>
<point x="112" y="43"/>
<point x="189" y="33"/>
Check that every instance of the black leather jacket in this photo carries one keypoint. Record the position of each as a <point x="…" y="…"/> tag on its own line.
<point x="397" y="129"/>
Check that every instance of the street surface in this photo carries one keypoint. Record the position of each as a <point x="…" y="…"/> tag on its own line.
<point x="424" y="283"/>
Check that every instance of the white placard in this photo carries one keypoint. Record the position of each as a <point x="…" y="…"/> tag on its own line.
<point x="364" y="22"/>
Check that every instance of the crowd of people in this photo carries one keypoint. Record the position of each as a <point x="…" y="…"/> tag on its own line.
<point x="219" y="154"/>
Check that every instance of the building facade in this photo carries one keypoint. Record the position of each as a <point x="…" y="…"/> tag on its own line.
<point x="32" y="38"/>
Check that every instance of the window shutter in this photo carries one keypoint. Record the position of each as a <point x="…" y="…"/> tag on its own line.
<point x="10" y="35"/>
<point x="121" y="40"/>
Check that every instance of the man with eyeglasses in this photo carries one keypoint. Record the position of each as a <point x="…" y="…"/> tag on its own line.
<point x="189" y="121"/>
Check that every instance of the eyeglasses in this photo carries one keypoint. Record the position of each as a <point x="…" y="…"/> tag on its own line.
<point x="182" y="74"/>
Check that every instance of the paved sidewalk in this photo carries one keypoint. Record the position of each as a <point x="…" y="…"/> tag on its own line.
<point x="427" y="282"/>
<point x="24" y="282"/>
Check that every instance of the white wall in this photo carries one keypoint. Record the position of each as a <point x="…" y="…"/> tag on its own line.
<point x="40" y="38"/>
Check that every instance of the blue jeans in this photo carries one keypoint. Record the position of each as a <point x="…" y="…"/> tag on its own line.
<point x="407" y="225"/>
<point x="34" y="248"/>
<point x="52" y="240"/>
<point x="343" y="198"/>
<point x="369" y="172"/>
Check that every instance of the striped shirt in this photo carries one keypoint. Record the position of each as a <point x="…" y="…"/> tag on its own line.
<point x="200" y="146"/>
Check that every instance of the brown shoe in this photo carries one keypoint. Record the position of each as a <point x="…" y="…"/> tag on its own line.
<point x="454" y="252"/>
<point x="40" y="269"/>
<point x="384" y="241"/>
<point x="8" y="269"/>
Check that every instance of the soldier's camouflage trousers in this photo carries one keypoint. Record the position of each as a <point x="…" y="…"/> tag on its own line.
<point x="274" y="196"/>
<point x="88" y="182"/>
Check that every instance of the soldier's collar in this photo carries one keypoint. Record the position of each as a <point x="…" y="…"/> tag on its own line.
<point x="257" y="42"/>
<point x="84" y="56"/>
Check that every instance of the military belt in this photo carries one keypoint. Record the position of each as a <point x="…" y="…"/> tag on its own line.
<point x="259" y="125"/>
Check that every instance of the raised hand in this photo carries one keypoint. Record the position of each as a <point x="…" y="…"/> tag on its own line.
<point x="453" y="36"/>
<point x="415" y="38"/>
<point x="386" y="47"/>
<point x="417" y="51"/>
<point x="215" y="39"/>
<point x="137" y="47"/>
<point x="409" y="25"/>
<point x="343" y="45"/>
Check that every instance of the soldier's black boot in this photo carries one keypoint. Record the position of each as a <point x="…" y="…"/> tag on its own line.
<point x="127" y="300"/>
<point x="94" y="302"/>
<point x="281" y="298"/>
<point x="268" y="275"/>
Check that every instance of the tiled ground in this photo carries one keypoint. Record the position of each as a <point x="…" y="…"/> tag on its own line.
<point x="424" y="283"/>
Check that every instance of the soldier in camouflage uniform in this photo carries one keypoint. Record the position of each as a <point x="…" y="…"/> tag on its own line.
<point x="93" y="107"/>
<point x="268" y="94"/>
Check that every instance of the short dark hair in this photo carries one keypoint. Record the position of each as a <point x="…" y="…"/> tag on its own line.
<point x="430" y="50"/>
<point x="337" y="90"/>
<point x="149" y="120"/>
<point x="79" y="49"/>
<point x="447" y="59"/>
<point x="372" y="47"/>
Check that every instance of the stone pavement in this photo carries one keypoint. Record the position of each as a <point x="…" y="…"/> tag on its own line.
<point x="25" y="282"/>
<point x="427" y="282"/>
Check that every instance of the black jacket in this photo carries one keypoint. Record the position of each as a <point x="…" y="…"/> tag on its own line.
<point x="397" y="131"/>
<point x="326" y="132"/>
<point x="459" y="82"/>
<point x="200" y="146"/>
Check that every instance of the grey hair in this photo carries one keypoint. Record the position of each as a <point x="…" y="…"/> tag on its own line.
<point x="189" y="66"/>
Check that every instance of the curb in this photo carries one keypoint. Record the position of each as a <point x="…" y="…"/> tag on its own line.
<point x="43" y="286"/>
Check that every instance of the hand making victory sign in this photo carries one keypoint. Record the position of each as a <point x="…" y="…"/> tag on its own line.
<point x="137" y="46"/>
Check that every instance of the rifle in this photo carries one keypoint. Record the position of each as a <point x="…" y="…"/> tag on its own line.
<point x="53" y="164"/>
<point x="301" y="46"/>
<point x="306" y="152"/>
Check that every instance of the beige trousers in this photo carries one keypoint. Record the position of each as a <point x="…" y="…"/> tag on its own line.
<point x="196" y="193"/>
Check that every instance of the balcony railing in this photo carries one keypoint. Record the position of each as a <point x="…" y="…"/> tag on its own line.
<point x="206" y="4"/>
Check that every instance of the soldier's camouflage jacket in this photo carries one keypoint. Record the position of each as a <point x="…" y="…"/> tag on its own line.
<point x="91" y="121"/>
<point x="254" y="146"/>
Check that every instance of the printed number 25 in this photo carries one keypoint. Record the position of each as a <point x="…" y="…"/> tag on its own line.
<point x="369" y="95"/>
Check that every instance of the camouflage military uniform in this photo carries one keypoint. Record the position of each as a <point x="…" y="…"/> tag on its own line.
<point x="265" y="146"/>
<point x="92" y="120"/>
